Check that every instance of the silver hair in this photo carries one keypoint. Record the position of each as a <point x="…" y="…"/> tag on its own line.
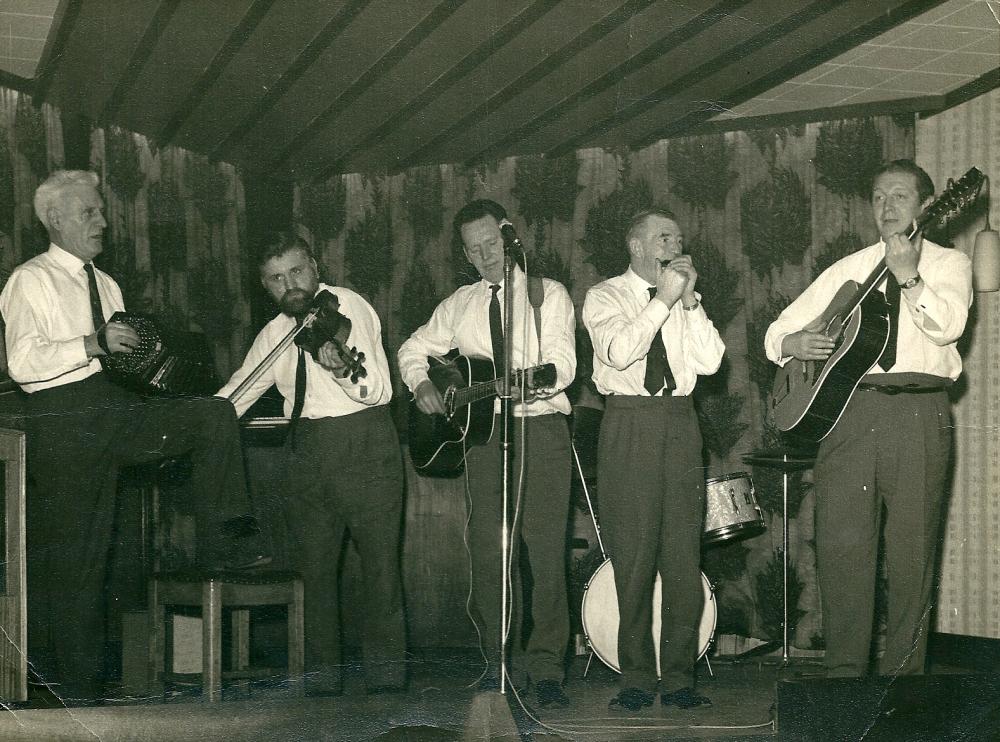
<point x="49" y="191"/>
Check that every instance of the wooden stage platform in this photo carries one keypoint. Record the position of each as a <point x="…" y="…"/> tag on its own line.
<point x="752" y="700"/>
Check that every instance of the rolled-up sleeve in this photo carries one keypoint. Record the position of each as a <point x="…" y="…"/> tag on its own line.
<point x="942" y="308"/>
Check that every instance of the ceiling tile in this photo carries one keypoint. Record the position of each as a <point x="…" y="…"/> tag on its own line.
<point x="851" y="76"/>
<point x="891" y="58"/>
<point x="925" y="83"/>
<point x="817" y="72"/>
<point x="961" y="63"/>
<point x="989" y="44"/>
<point x="939" y="37"/>
<point x="941" y="12"/>
<point x="973" y="15"/>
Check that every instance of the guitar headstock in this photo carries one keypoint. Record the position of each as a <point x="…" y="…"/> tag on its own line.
<point x="957" y="197"/>
<point x="541" y="377"/>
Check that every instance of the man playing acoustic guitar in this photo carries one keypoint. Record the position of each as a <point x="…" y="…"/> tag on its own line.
<point x="469" y="320"/>
<point x="891" y="445"/>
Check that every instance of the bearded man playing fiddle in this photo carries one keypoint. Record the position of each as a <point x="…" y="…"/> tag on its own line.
<point x="344" y="468"/>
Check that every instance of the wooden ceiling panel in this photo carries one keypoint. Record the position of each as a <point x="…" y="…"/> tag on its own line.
<point x="718" y="45"/>
<point x="473" y="26"/>
<point x="473" y="118"/>
<point x="275" y="44"/>
<point x="523" y="42"/>
<point x="591" y="83"/>
<point x="373" y="34"/>
<point x="102" y="40"/>
<point x="186" y="46"/>
<point x="305" y="89"/>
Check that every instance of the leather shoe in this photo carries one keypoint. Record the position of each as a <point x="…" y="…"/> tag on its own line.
<point x="685" y="698"/>
<point x="632" y="699"/>
<point x="549" y="693"/>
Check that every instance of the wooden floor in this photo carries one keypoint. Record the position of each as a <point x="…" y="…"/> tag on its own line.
<point x="440" y="705"/>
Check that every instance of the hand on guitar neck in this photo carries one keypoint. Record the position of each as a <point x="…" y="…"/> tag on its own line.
<point x="429" y="400"/>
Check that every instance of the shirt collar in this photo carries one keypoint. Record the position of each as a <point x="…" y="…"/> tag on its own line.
<point x="66" y="260"/>
<point x="635" y="282"/>
<point x="518" y="279"/>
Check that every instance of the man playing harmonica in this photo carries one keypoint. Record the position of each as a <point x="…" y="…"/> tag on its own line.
<point x="651" y="340"/>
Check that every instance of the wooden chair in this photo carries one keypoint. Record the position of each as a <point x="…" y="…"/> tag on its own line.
<point x="213" y="591"/>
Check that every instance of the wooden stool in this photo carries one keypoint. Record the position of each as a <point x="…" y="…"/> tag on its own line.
<point x="212" y="591"/>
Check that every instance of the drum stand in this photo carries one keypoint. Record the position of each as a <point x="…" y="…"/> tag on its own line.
<point x="786" y="464"/>
<point x="600" y="544"/>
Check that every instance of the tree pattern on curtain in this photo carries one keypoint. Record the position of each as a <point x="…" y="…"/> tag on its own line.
<point x="763" y="213"/>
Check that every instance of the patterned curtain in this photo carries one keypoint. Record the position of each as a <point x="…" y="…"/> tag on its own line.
<point x="176" y="231"/>
<point x="763" y="213"/>
<point x="948" y="144"/>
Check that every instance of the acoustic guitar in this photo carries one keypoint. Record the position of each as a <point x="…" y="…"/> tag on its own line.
<point x="468" y="386"/>
<point x="808" y="397"/>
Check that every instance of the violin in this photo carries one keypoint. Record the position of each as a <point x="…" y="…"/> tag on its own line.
<point x="323" y="323"/>
<point x="319" y="322"/>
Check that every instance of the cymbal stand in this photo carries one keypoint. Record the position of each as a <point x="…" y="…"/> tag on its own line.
<point x="593" y="519"/>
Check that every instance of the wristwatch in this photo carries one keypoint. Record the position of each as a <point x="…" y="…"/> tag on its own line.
<point x="909" y="283"/>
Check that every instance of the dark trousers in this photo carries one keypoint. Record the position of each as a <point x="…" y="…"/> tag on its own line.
<point x="540" y="530"/>
<point x="347" y="473"/>
<point x="651" y="488"/>
<point x="890" y="451"/>
<point x="78" y="435"/>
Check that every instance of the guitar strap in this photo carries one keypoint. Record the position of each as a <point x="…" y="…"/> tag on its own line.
<point x="536" y="295"/>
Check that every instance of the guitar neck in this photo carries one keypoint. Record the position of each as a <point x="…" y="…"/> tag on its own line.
<point x="484" y="389"/>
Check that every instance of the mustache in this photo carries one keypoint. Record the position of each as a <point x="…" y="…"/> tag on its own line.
<point x="295" y="302"/>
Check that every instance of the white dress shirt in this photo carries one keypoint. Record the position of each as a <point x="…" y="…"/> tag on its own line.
<point x="622" y="321"/>
<point x="46" y="308"/>
<point x="929" y="326"/>
<point x="462" y="321"/>
<point x="326" y="395"/>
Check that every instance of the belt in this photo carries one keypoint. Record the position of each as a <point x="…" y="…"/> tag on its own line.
<point x="897" y="389"/>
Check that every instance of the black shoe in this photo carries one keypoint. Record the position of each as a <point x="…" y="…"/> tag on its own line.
<point x="550" y="693"/>
<point x="685" y="698"/>
<point x="632" y="699"/>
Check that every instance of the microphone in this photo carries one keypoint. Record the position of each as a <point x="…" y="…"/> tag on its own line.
<point x="509" y="235"/>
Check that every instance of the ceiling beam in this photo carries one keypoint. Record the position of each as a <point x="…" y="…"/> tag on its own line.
<point x="551" y="62"/>
<point x="319" y="43"/>
<point x="796" y="67"/>
<point x="18" y="83"/>
<point x="685" y="33"/>
<point x="913" y="105"/>
<point x="52" y="55"/>
<point x="490" y="46"/>
<point x="140" y="55"/>
<point x="243" y="31"/>
<point x="982" y="84"/>
<point x="413" y="38"/>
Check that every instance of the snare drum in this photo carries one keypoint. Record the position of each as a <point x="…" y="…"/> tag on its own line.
<point x="600" y="616"/>
<point x="731" y="509"/>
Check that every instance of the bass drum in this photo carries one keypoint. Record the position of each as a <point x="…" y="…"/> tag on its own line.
<point x="600" y="616"/>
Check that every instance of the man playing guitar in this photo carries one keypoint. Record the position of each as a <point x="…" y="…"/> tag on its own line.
<point x="892" y="443"/>
<point x="468" y="320"/>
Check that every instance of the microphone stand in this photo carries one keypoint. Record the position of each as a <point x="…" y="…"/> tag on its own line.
<point x="506" y="429"/>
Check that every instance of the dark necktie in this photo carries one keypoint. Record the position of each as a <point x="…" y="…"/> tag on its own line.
<point x="657" y="366"/>
<point x="300" y="393"/>
<point x="496" y="330"/>
<point x="96" y="310"/>
<point x="893" y="297"/>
